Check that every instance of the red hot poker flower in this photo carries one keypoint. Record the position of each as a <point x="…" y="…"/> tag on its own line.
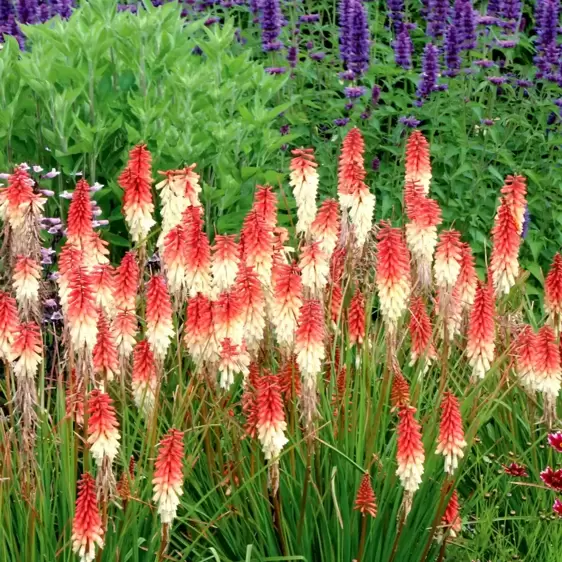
<point x="105" y="356"/>
<point x="87" y="531"/>
<point x="418" y="166"/>
<point x="159" y="326"/>
<point x="103" y="428"/>
<point x="553" y="292"/>
<point x="8" y="324"/>
<point x="451" y="518"/>
<point x="356" y="318"/>
<point x="514" y="192"/>
<point x="365" y="501"/>
<point x="410" y="454"/>
<point x="421" y="333"/>
<point x="450" y="442"/>
<point x="480" y="345"/>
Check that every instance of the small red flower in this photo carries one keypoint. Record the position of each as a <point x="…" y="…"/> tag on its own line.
<point x="270" y="416"/>
<point x="326" y="226"/>
<point x="351" y="173"/>
<point x="159" y="326"/>
<point x="514" y="192"/>
<point x="421" y="332"/>
<point x="80" y="216"/>
<point x="451" y="516"/>
<point x="552" y="478"/>
<point x="365" y="501"/>
<point x="517" y="470"/>
<point x="144" y="379"/>
<point x="103" y="428"/>
<point x="418" y="166"/>
<point x="506" y="240"/>
<point x="555" y="441"/>
<point x="450" y="442"/>
<point x="481" y="331"/>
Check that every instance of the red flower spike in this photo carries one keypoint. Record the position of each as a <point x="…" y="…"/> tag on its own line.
<point x="547" y="369"/>
<point x="252" y="299"/>
<point x="82" y="315"/>
<point x="451" y="518"/>
<point x="336" y="301"/>
<point x="228" y="317"/>
<point x="8" y="324"/>
<point x="418" y="166"/>
<point x="365" y="501"/>
<point x="524" y="347"/>
<point x="174" y="258"/>
<point x="356" y="319"/>
<point x="410" y="454"/>
<point x="198" y="254"/>
<point x="506" y="241"/>
<point x="103" y="283"/>
<point x="290" y="379"/>
<point x="18" y="199"/>
<point x="127" y="282"/>
<point x="168" y="475"/>
<point x="480" y="346"/>
<point x="233" y="359"/>
<point x="80" y="217"/>
<point x="315" y="268"/>
<point x="257" y="246"/>
<point x="393" y="273"/>
<point x="553" y="292"/>
<point x="448" y="259"/>
<point x="136" y="181"/>
<point x="27" y="350"/>
<point x="159" y="326"/>
<point x="421" y="333"/>
<point x="351" y="173"/>
<point x="287" y="301"/>
<point x="103" y="428"/>
<point x="466" y="281"/>
<point x="105" y="357"/>
<point x="325" y="228"/>
<point x="199" y="333"/>
<point x="514" y="192"/>
<point x="270" y="422"/>
<point x="125" y="327"/>
<point x="225" y="262"/>
<point x="400" y="391"/>
<point x="87" y="531"/>
<point x="450" y="442"/>
<point x="265" y="204"/>
<point x="309" y="341"/>
<point x="144" y="379"/>
<point x="552" y="478"/>
<point x="304" y="181"/>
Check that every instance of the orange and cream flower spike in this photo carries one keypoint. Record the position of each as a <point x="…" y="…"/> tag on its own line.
<point x="514" y="193"/>
<point x="26" y="277"/>
<point x="270" y="423"/>
<point x="393" y="274"/>
<point x="315" y="268"/>
<point x="467" y="279"/>
<point x="103" y="428"/>
<point x="421" y="232"/>
<point x="179" y="190"/>
<point x="553" y="293"/>
<point x="418" y="165"/>
<point x="548" y="371"/>
<point x="356" y="319"/>
<point x="174" y="259"/>
<point x="480" y="346"/>
<point x="102" y="278"/>
<point x="524" y="350"/>
<point x="234" y="359"/>
<point x="105" y="355"/>
<point x="8" y="325"/>
<point x="286" y="303"/>
<point x="225" y="262"/>
<point x="252" y="301"/>
<point x="168" y="475"/>
<point x="197" y="254"/>
<point x="325" y="228"/>
<point x="81" y="315"/>
<point x="256" y="242"/>
<point x="265" y="204"/>
<point x="304" y="181"/>
<point x="159" y="325"/>
<point x="421" y="333"/>
<point x="144" y="380"/>
<point x="410" y="454"/>
<point x="87" y="531"/>
<point x="450" y="442"/>
<point x="199" y="331"/>
<point x="506" y="240"/>
<point x="136" y="181"/>
<point x="448" y="257"/>
<point x="27" y="350"/>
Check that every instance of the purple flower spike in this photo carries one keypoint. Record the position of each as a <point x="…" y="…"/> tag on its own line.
<point x="375" y="95"/>
<point x="403" y="48"/>
<point x="292" y="56"/>
<point x="341" y="122"/>
<point x="28" y="11"/>
<point x="354" y="36"/>
<point x="428" y="82"/>
<point x="271" y="21"/>
<point x="276" y="70"/>
<point x="410" y="121"/>
<point x="396" y="14"/>
<point x="317" y="56"/>
<point x="375" y="164"/>
<point x="437" y="17"/>
<point x="452" y="50"/>
<point x="309" y="18"/>
<point x="354" y="92"/>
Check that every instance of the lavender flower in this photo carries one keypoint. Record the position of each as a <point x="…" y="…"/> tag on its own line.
<point x="495" y="7"/>
<point x="526" y="223"/>
<point x="345" y="17"/>
<point x="548" y="12"/>
<point x="403" y="48"/>
<point x="465" y="21"/>
<point x="44" y="12"/>
<point x="497" y="80"/>
<point x="354" y="92"/>
<point x="318" y="56"/>
<point x="27" y="11"/>
<point x="358" y="43"/>
<point x="64" y="8"/>
<point x="396" y="14"/>
<point x="6" y="10"/>
<point x="409" y="121"/>
<point x="437" y="17"/>
<point x="511" y="11"/>
<point x="309" y="18"/>
<point x="271" y="21"/>
<point x="292" y="55"/>
<point x="342" y="122"/>
<point x="348" y="106"/>
<point x="452" y="50"/>
<point x="521" y="83"/>
<point x="375" y="95"/>
<point x="347" y="75"/>
<point x="276" y="70"/>
<point x="47" y="192"/>
<point x="428" y="81"/>
<point x="484" y="63"/>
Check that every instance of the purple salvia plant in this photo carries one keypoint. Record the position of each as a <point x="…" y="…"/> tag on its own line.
<point x="359" y="41"/>
<point x="6" y="10"/>
<point x="437" y="17"/>
<point x="495" y="8"/>
<point x="293" y="55"/>
<point x="64" y="8"/>
<point x="428" y="79"/>
<point x="44" y="11"/>
<point x="271" y="21"/>
<point x="27" y="11"/>
<point x="346" y="14"/>
<point x="511" y="11"/>
<point x="468" y="26"/>
<point x="403" y="48"/>
<point x="396" y="14"/>
<point x="452" y="51"/>
<point x="548" y="12"/>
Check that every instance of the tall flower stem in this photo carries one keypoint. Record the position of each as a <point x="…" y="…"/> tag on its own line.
<point x="304" y="496"/>
<point x="363" y="538"/>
